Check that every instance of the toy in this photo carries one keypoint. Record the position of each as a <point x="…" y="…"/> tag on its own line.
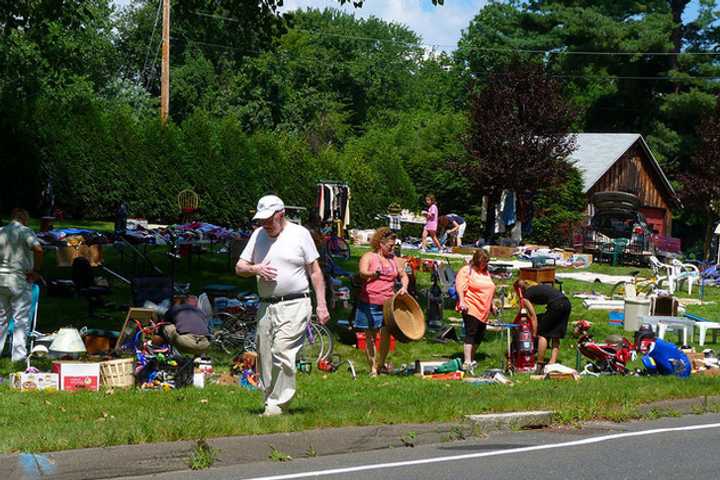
<point x="607" y="358"/>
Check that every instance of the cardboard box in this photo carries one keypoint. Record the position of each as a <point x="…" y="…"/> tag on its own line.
<point x="78" y="375"/>
<point x="464" y="250"/>
<point x="538" y="275"/>
<point x="28" y="382"/>
<point x="66" y="255"/>
<point x="587" y="258"/>
<point x="565" y="255"/>
<point x="501" y="252"/>
<point x="425" y="368"/>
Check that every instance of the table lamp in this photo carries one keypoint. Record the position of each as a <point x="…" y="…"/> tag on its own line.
<point x="68" y="342"/>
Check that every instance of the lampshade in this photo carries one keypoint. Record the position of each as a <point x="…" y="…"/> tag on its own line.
<point x="68" y="341"/>
<point x="39" y="351"/>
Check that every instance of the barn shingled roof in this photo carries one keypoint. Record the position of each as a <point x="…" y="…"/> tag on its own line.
<point x="597" y="152"/>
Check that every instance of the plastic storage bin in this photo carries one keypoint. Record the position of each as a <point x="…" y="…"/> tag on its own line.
<point x="634" y="308"/>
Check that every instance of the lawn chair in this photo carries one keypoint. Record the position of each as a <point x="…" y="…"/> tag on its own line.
<point x="685" y="272"/>
<point x="663" y="272"/>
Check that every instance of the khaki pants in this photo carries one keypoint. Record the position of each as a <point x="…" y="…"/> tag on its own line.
<point x="187" y="342"/>
<point x="280" y="334"/>
<point x="15" y="303"/>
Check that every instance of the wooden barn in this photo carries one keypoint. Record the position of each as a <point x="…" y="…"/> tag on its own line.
<point x="623" y="162"/>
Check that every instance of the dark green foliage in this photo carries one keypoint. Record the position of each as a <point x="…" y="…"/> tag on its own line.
<point x="557" y="210"/>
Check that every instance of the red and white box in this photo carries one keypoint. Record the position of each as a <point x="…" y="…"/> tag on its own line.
<point x="30" y="382"/>
<point x="78" y="375"/>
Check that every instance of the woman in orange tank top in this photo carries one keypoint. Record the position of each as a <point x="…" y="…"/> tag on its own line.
<point x="475" y="290"/>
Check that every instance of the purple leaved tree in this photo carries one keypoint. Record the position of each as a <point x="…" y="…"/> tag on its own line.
<point x="519" y="135"/>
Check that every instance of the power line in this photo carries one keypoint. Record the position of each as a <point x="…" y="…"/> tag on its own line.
<point x="153" y="71"/>
<point x="152" y="36"/>
<point x="581" y="52"/>
<point x="219" y="17"/>
<point x="565" y="76"/>
<point x="488" y="49"/>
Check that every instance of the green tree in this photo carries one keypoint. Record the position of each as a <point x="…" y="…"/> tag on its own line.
<point x="518" y="138"/>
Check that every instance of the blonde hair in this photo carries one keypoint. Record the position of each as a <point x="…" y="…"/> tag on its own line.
<point x="381" y="234"/>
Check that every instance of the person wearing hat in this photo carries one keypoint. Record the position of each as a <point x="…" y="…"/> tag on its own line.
<point x="21" y="258"/>
<point x="283" y="257"/>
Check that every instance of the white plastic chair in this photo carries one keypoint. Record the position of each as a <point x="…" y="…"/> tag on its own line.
<point x="663" y="271"/>
<point x="685" y="272"/>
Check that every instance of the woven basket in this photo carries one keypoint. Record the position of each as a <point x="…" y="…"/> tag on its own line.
<point x="118" y="373"/>
<point x="404" y="318"/>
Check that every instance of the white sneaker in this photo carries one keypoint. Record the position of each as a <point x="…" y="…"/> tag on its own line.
<point x="272" y="411"/>
<point x="469" y="368"/>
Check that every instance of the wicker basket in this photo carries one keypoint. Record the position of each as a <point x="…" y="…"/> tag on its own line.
<point x="118" y="373"/>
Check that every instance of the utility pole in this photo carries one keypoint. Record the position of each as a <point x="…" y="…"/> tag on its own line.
<point x="165" y="72"/>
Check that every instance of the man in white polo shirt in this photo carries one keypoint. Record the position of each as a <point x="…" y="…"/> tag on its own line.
<point x="282" y="255"/>
<point x="20" y="259"/>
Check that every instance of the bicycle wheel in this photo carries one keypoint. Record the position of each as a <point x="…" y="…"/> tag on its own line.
<point x="230" y="334"/>
<point x="337" y="247"/>
<point x="250" y="341"/>
<point x="318" y="344"/>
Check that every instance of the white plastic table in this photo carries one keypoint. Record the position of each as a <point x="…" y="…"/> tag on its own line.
<point x="703" y="327"/>
<point x="662" y="324"/>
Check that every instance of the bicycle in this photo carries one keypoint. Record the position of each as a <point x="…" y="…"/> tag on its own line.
<point x="318" y="344"/>
<point x="235" y="332"/>
<point x="642" y="285"/>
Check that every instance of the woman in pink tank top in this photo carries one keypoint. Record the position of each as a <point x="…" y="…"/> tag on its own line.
<point x="379" y="269"/>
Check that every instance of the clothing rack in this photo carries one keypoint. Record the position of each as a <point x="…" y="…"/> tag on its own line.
<point x="333" y="204"/>
<point x="332" y="182"/>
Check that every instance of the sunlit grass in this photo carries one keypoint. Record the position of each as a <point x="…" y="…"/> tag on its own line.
<point x="53" y="421"/>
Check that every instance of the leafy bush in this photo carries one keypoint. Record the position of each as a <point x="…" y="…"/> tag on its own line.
<point x="557" y="210"/>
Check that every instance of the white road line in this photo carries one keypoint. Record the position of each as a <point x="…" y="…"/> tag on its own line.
<point x="494" y="453"/>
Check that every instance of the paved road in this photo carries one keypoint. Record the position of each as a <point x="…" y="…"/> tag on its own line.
<point x="674" y="448"/>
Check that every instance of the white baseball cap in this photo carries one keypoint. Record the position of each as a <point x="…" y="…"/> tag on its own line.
<point x="267" y="206"/>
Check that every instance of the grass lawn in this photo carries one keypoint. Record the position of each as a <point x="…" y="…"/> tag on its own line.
<point x="52" y="421"/>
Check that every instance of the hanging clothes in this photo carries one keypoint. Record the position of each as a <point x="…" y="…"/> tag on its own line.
<point x="333" y="203"/>
<point x="509" y="208"/>
<point x="319" y="202"/>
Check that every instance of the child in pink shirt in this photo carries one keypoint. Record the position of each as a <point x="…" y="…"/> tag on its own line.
<point x="431" y="223"/>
